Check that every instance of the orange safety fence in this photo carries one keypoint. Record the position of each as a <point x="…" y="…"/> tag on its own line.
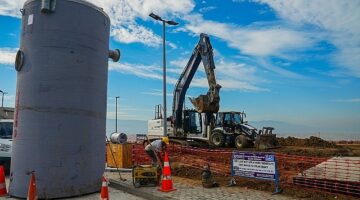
<point x="336" y="175"/>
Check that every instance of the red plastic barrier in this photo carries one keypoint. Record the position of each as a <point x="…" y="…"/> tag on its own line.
<point x="335" y="175"/>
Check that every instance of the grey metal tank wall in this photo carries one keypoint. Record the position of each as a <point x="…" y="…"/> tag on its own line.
<point x="59" y="129"/>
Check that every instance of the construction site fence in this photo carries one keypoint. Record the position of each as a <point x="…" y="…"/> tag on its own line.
<point x="334" y="175"/>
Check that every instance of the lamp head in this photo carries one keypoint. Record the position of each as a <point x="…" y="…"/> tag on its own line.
<point x="156" y="17"/>
<point x="172" y="23"/>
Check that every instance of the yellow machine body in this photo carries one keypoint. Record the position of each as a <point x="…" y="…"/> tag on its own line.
<point x="145" y="175"/>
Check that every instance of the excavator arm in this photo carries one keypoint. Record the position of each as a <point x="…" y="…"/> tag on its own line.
<point x="208" y="103"/>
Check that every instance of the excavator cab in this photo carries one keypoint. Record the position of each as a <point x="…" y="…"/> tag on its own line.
<point x="192" y="122"/>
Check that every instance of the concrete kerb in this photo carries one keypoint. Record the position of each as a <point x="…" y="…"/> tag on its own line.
<point x="110" y="169"/>
<point x="128" y="189"/>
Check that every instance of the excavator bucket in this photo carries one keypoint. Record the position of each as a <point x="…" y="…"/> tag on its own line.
<point x="203" y="105"/>
<point x="208" y="103"/>
<point x="266" y="139"/>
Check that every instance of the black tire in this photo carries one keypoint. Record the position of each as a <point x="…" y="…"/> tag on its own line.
<point x="217" y="139"/>
<point x="137" y="184"/>
<point x="241" y="141"/>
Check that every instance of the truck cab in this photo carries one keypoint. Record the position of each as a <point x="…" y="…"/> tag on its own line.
<point x="6" y="131"/>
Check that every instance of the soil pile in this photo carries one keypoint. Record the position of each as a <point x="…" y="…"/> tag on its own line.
<point x="307" y="142"/>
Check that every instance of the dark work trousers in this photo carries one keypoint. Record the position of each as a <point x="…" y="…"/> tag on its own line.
<point x="152" y="156"/>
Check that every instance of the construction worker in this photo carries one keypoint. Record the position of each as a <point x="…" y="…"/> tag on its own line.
<point x="154" y="148"/>
<point x="207" y="179"/>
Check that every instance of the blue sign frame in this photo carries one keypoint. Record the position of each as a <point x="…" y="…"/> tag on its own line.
<point x="256" y="158"/>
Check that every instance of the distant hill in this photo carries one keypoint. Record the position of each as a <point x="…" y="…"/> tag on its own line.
<point x="331" y="132"/>
<point x="127" y="126"/>
<point x="283" y="129"/>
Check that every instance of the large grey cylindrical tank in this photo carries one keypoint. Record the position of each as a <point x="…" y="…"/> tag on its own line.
<point x="60" y="116"/>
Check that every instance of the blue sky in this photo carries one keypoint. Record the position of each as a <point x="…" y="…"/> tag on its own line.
<point x="290" y="62"/>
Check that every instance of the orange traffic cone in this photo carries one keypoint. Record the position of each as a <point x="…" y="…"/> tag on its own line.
<point x="3" y="191"/>
<point x="104" y="194"/>
<point x="166" y="182"/>
<point x="32" y="195"/>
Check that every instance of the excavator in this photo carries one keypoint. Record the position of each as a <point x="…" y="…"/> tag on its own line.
<point x="205" y="124"/>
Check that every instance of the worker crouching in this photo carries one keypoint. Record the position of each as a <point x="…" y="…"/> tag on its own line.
<point x="154" y="148"/>
<point x="207" y="179"/>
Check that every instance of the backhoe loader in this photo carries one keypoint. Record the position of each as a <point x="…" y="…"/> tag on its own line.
<point x="205" y="123"/>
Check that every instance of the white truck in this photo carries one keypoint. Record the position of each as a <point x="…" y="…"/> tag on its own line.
<point x="6" y="130"/>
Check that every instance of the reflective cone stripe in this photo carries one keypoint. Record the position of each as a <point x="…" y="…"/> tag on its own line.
<point x="104" y="194"/>
<point x="32" y="195"/>
<point x="166" y="170"/>
<point x="104" y="183"/>
<point x="3" y="191"/>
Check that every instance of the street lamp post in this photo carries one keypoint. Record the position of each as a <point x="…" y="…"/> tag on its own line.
<point x="116" y="113"/>
<point x="2" y="98"/>
<point x="164" y="22"/>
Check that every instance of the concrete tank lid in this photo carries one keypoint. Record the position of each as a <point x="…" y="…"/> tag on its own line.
<point x="80" y="2"/>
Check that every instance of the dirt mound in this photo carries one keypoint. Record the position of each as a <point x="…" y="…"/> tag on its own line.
<point x="245" y="183"/>
<point x="307" y="142"/>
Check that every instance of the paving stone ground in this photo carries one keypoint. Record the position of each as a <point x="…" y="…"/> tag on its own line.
<point x="186" y="189"/>
<point x="113" y="193"/>
<point x="189" y="189"/>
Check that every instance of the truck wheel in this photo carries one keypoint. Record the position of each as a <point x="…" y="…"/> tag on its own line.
<point x="137" y="184"/>
<point x="241" y="141"/>
<point x="218" y="139"/>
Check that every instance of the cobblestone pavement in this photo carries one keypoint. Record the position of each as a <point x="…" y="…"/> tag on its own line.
<point x="186" y="189"/>
<point x="190" y="189"/>
<point x="113" y="193"/>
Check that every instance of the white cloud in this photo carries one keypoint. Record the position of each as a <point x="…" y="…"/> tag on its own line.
<point x="265" y="63"/>
<point x="11" y="7"/>
<point x="157" y="92"/>
<point x="142" y="71"/>
<point x="139" y="70"/>
<point x="333" y="15"/>
<point x="237" y="76"/>
<point x="251" y="40"/>
<point x="231" y="75"/>
<point x="7" y="56"/>
<point x="135" y="33"/>
<point x="207" y="9"/>
<point x="258" y="41"/>
<point x="123" y="15"/>
<point x="338" y="21"/>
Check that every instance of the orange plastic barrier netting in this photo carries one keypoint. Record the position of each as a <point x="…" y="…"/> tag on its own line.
<point x="335" y="175"/>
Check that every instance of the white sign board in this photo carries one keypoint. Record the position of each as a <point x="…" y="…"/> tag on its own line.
<point x="254" y="165"/>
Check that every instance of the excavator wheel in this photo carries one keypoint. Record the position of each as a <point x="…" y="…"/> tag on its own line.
<point x="241" y="141"/>
<point x="217" y="139"/>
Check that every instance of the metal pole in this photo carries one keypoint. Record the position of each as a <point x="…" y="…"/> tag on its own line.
<point x="164" y="80"/>
<point x="156" y="17"/>
<point x="2" y="99"/>
<point x="116" y="113"/>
